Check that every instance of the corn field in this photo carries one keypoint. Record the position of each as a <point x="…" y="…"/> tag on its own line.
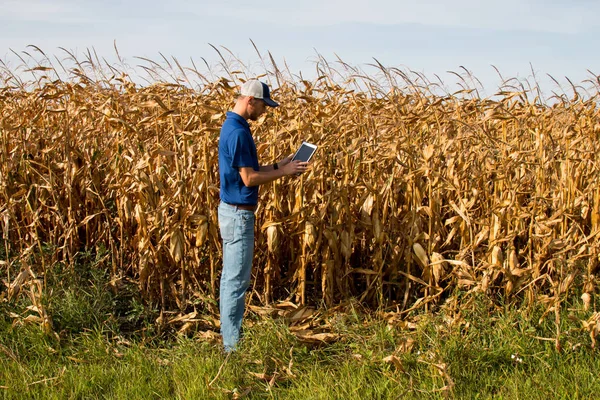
<point x="411" y="194"/>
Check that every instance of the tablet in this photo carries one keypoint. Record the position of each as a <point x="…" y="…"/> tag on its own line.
<point x="305" y="152"/>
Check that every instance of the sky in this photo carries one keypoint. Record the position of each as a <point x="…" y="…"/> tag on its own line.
<point x="521" y="38"/>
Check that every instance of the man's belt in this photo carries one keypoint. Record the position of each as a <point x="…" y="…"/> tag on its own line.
<point x="246" y="207"/>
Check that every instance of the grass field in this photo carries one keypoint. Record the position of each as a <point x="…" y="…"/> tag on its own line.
<point x="107" y="347"/>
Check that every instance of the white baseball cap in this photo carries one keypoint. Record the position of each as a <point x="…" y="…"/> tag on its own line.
<point x="258" y="90"/>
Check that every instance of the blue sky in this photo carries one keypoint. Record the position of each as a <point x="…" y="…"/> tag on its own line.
<point x="556" y="37"/>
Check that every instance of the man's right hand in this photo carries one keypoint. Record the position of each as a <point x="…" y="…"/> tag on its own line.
<point x="296" y="167"/>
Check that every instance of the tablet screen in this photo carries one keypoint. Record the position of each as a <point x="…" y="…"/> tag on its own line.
<point x="305" y="152"/>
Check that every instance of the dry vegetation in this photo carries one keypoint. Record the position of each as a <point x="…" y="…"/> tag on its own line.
<point x="411" y="194"/>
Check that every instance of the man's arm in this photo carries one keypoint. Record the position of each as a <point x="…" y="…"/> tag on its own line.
<point x="250" y="177"/>
<point x="266" y="168"/>
<point x="271" y="167"/>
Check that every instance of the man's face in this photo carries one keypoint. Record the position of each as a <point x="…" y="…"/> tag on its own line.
<point x="257" y="107"/>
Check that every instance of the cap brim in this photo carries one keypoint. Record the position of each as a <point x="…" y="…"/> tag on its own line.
<point x="270" y="103"/>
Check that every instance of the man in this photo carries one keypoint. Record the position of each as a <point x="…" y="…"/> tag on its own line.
<point x="241" y="176"/>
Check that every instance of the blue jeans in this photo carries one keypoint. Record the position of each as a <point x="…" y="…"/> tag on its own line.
<point x="237" y="232"/>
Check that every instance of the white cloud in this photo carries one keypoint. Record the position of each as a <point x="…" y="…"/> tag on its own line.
<point x="526" y="15"/>
<point x="36" y="10"/>
<point x="506" y="15"/>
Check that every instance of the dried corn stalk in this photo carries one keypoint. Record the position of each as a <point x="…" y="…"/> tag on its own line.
<point x="409" y="193"/>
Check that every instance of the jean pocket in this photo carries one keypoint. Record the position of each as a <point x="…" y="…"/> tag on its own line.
<point x="227" y="227"/>
<point x="247" y="221"/>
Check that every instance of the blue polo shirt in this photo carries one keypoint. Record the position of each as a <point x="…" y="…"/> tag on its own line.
<point x="236" y="150"/>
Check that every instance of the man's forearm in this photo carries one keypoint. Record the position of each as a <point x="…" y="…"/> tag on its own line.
<point x="261" y="177"/>
<point x="266" y="168"/>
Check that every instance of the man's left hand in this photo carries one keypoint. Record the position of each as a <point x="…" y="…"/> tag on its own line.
<point x="285" y="161"/>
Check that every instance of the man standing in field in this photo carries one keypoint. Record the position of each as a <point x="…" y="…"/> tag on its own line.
<point x="241" y="175"/>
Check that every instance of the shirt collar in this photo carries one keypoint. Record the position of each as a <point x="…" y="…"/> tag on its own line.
<point x="239" y="118"/>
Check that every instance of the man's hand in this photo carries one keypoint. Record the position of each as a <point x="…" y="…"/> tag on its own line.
<point x="285" y="161"/>
<point x="296" y="167"/>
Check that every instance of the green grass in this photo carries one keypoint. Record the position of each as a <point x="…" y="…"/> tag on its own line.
<point x="107" y="347"/>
